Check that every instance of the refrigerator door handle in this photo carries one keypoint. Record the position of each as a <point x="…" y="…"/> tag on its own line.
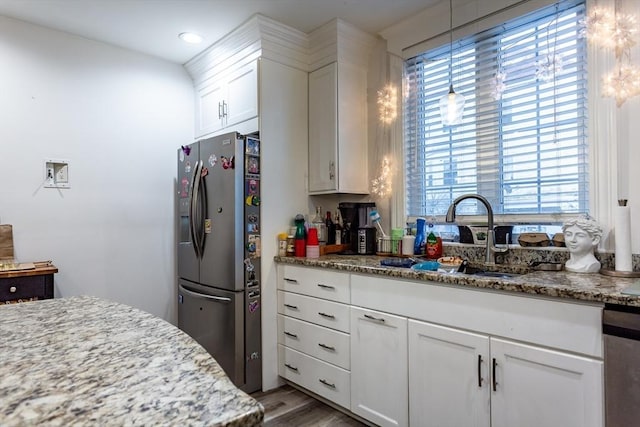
<point x="199" y="295"/>
<point x="195" y="189"/>
<point x="201" y="205"/>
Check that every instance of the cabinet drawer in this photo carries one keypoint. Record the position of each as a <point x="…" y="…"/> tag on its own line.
<point x="23" y="288"/>
<point x="322" y="343"/>
<point x="316" y="283"/>
<point x="326" y="380"/>
<point x="321" y="312"/>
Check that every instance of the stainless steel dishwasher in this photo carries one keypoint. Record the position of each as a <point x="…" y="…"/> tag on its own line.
<point x="621" y="328"/>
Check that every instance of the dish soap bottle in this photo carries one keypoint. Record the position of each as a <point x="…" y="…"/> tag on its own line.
<point x="419" y="243"/>
<point x="434" y="243"/>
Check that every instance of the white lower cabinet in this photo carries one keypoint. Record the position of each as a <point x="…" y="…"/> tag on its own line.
<point x="324" y="379"/>
<point x="379" y="389"/>
<point x="448" y="377"/>
<point x="458" y="378"/>
<point x="538" y="387"/>
<point x="313" y="331"/>
<point x="405" y="353"/>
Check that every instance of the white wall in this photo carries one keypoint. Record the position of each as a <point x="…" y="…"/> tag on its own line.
<point x="118" y="117"/>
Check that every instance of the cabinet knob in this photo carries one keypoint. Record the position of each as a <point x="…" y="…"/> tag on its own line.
<point x="12" y="289"/>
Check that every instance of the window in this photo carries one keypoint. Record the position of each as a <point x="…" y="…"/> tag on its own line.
<point x="522" y="143"/>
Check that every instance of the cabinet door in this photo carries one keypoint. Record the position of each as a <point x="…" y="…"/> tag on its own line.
<point x="209" y="107"/>
<point x="352" y="161"/>
<point x="538" y="387"/>
<point x="379" y="367"/>
<point x="448" y="377"/>
<point x="323" y="129"/>
<point x="242" y="95"/>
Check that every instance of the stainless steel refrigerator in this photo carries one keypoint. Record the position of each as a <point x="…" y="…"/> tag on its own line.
<point x="219" y="252"/>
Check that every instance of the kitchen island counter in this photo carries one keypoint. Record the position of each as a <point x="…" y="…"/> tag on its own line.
<point x="592" y="287"/>
<point x="88" y="361"/>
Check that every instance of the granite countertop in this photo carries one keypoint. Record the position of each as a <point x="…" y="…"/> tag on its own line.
<point x="88" y="361"/>
<point x="592" y="287"/>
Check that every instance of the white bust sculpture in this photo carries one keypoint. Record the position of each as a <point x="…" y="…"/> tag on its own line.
<point x="581" y="236"/>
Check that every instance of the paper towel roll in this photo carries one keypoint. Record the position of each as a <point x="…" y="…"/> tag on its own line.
<point x="622" y="234"/>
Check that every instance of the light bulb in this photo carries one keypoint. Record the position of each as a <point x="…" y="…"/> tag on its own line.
<point x="190" y="38"/>
<point x="451" y="108"/>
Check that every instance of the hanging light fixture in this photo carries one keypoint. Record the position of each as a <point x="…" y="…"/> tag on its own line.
<point x="451" y="104"/>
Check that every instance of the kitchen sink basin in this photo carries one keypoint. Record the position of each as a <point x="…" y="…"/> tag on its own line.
<point x="475" y="271"/>
<point x="498" y="274"/>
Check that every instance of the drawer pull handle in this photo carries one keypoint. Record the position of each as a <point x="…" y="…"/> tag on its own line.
<point x="323" y="286"/>
<point x="292" y="307"/>
<point x="286" y="279"/>
<point x="495" y="383"/>
<point x="289" y="334"/>
<point x="480" y="370"/>
<point x="13" y="289"/>
<point x="377" y="319"/>
<point x="327" y="383"/>
<point x="293" y="368"/>
<point x="328" y="316"/>
<point x="327" y="347"/>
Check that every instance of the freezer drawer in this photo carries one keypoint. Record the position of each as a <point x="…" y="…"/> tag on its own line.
<point x="215" y="319"/>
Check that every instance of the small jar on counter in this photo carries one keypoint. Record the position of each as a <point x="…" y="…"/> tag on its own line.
<point x="291" y="245"/>
<point x="282" y="244"/>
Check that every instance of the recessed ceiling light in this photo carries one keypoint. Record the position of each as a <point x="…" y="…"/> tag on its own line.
<point x="190" y="38"/>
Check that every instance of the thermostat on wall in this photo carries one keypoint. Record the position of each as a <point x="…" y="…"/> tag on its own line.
<point x="56" y="173"/>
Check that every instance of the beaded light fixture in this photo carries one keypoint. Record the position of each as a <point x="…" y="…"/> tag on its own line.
<point x="617" y="31"/>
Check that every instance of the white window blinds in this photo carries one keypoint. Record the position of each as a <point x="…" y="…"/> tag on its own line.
<point x="523" y="142"/>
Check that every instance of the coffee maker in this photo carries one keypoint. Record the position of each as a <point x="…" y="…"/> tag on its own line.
<point x="359" y="230"/>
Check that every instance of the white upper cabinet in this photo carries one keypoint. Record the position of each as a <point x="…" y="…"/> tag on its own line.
<point x="338" y="154"/>
<point x="224" y="101"/>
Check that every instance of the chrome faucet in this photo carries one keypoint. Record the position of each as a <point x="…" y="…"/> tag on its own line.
<point x="491" y="247"/>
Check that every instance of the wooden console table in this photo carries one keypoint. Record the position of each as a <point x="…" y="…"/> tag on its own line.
<point x="27" y="285"/>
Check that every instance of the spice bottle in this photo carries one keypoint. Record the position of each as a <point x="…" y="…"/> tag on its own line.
<point x="282" y="244"/>
<point x="291" y="245"/>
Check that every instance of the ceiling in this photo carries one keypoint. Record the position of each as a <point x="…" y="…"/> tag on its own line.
<point x="152" y="26"/>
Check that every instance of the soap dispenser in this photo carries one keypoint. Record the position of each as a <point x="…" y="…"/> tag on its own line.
<point x="419" y="244"/>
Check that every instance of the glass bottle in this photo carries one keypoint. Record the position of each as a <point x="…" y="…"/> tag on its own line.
<point x="319" y="224"/>
<point x="331" y="229"/>
<point x="339" y="229"/>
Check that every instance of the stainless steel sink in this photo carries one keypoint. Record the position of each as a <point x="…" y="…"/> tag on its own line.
<point x="469" y="270"/>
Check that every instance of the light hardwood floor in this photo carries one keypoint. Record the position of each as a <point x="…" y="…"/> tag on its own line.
<point x="288" y="407"/>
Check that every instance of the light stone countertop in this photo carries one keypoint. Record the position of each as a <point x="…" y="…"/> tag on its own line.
<point x="593" y="287"/>
<point x="84" y="361"/>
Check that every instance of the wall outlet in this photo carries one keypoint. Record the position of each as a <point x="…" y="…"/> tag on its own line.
<point x="56" y="173"/>
<point x="61" y="173"/>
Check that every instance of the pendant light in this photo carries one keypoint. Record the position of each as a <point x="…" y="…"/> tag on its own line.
<point x="451" y="104"/>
